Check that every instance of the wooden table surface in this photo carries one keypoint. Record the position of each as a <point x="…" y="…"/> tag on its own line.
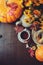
<point x="13" y="52"/>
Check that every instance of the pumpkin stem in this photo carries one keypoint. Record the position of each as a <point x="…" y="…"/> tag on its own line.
<point x="6" y="2"/>
<point x="38" y="45"/>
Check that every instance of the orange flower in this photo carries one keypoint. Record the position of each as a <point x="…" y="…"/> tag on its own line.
<point x="37" y="12"/>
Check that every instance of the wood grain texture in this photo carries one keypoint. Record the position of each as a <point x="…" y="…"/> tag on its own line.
<point x="12" y="52"/>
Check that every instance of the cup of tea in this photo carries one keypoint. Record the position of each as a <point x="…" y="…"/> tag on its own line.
<point x="37" y="37"/>
<point x="23" y="35"/>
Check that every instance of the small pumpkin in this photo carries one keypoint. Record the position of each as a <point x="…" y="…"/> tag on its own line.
<point x="39" y="53"/>
<point x="10" y="10"/>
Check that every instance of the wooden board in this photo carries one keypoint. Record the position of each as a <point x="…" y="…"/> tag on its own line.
<point x="12" y="52"/>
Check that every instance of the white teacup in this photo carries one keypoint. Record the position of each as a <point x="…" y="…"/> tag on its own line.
<point x="35" y="37"/>
<point x="24" y="22"/>
<point x="23" y="35"/>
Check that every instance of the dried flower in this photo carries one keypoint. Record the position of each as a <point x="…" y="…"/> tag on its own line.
<point x="18" y="28"/>
<point x="31" y="52"/>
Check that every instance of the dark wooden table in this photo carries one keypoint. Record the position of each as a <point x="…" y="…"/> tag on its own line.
<point x="13" y="52"/>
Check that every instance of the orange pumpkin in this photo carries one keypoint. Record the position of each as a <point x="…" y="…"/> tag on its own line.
<point x="10" y="10"/>
<point x="39" y="53"/>
<point x="41" y="1"/>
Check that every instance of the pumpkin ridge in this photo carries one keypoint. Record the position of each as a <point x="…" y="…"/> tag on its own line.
<point x="11" y="6"/>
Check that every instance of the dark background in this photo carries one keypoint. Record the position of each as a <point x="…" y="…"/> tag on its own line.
<point x="13" y="52"/>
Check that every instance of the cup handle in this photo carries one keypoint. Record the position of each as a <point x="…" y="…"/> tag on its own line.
<point x="18" y="23"/>
<point x="27" y="46"/>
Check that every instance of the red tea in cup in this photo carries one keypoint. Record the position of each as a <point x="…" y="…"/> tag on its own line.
<point x="24" y="35"/>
